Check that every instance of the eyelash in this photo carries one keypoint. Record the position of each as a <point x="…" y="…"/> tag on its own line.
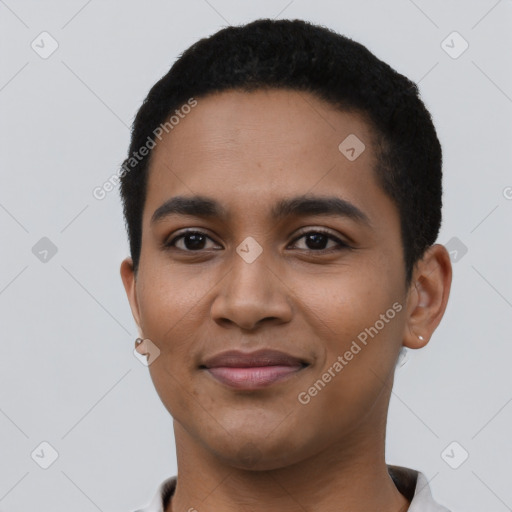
<point x="340" y="244"/>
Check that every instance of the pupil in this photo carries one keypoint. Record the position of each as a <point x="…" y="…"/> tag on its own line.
<point x="196" y="241"/>
<point x="318" y="239"/>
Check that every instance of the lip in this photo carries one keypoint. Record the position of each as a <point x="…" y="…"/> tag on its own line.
<point x="253" y="370"/>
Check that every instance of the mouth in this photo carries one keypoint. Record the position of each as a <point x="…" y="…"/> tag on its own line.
<point x="253" y="370"/>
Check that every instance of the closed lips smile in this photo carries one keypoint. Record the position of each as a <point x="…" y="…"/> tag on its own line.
<point x="252" y="370"/>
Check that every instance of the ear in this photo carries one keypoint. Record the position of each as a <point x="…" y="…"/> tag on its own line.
<point x="129" y="281"/>
<point x="427" y="296"/>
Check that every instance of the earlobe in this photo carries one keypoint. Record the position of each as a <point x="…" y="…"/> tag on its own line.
<point x="129" y="282"/>
<point x="428" y="296"/>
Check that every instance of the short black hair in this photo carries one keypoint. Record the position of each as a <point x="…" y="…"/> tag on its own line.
<point x="298" y="55"/>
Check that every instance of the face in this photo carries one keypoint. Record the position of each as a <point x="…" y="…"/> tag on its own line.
<point x="298" y="250"/>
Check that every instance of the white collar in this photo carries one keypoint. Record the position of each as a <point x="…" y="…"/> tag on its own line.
<point x="406" y="478"/>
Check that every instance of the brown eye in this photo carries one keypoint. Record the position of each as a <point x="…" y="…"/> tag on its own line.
<point x="192" y="241"/>
<point x="314" y="240"/>
<point x="318" y="239"/>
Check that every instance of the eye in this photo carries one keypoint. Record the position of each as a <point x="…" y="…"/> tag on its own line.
<point x="192" y="241"/>
<point x="317" y="239"/>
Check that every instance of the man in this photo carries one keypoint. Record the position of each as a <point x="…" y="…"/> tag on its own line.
<point x="282" y="196"/>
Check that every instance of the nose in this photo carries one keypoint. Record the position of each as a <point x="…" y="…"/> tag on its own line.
<point x="251" y="294"/>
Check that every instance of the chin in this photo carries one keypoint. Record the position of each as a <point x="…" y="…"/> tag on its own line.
<point x="259" y="453"/>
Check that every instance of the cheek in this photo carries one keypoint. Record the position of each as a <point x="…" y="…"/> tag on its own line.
<point x="169" y="308"/>
<point x="361" y="322"/>
<point x="341" y="306"/>
<point x="354" y="375"/>
<point x="169" y="302"/>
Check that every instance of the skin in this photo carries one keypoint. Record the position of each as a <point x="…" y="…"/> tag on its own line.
<point x="263" y="450"/>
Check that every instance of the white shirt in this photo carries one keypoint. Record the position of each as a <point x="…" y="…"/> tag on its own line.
<point x="412" y="484"/>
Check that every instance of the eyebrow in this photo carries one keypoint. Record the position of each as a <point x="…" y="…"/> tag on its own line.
<point x="205" y="207"/>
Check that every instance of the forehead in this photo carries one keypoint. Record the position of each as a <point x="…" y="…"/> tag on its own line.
<point x="285" y="122"/>
<point x="253" y="148"/>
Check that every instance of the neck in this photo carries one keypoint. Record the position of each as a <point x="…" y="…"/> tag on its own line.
<point x="351" y="475"/>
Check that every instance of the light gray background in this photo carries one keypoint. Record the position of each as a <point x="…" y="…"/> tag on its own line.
<point x="68" y="373"/>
